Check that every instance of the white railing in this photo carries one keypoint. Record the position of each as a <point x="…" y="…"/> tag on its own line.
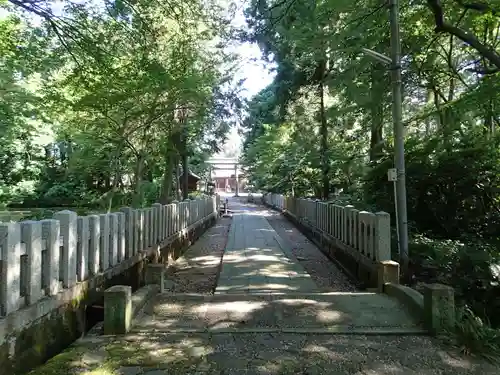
<point x="39" y="258"/>
<point x="366" y="233"/>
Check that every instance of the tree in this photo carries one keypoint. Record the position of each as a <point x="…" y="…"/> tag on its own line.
<point x="129" y="90"/>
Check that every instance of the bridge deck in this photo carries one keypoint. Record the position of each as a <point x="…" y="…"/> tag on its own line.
<point x="267" y="315"/>
<point x="262" y="287"/>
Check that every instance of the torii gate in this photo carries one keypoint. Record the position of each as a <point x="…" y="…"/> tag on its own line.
<point x="225" y="164"/>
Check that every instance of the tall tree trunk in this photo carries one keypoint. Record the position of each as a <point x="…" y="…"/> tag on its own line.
<point x="489" y="125"/>
<point x="139" y="170"/>
<point x="166" y="191"/>
<point x="117" y="177"/>
<point x="324" y="141"/>
<point x="178" y="178"/>
<point x="428" y="120"/>
<point x="185" y="175"/>
<point x="185" y="168"/>
<point x="377" y="113"/>
<point x="488" y="110"/>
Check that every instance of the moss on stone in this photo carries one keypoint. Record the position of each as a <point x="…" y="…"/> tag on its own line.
<point x="5" y="363"/>
<point x="123" y="353"/>
<point x="63" y="363"/>
<point x="129" y="354"/>
<point x="81" y="299"/>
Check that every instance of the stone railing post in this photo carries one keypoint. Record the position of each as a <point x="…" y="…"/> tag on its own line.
<point x="180" y="214"/>
<point x="140" y="227"/>
<point x="187" y="213"/>
<point x="95" y="244"/>
<point x="129" y="231"/>
<point x="50" y="273"/>
<point x="136" y="214"/>
<point x="31" y="235"/>
<point x="387" y="272"/>
<point x="355" y="225"/>
<point x="319" y="215"/>
<point x="349" y="223"/>
<point x="113" y="239"/>
<point x="175" y="217"/>
<point x="439" y="307"/>
<point x="343" y="220"/>
<point x="331" y="219"/>
<point x="191" y="212"/>
<point x="364" y="220"/>
<point x="337" y="223"/>
<point x="104" y="242"/>
<point x="382" y="236"/>
<point x="157" y="223"/>
<point x="155" y="274"/>
<point x="144" y="229"/>
<point x="121" y="236"/>
<point x="168" y="219"/>
<point x="151" y="227"/>
<point x="147" y="226"/>
<point x="82" y="250"/>
<point x="165" y="221"/>
<point x="117" y="310"/>
<point x="68" y="223"/>
<point x="10" y="286"/>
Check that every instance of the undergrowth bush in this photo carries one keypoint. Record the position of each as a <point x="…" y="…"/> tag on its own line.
<point x="473" y="335"/>
<point x="470" y="268"/>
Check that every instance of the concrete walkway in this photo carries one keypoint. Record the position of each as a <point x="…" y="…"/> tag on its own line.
<point x="255" y="262"/>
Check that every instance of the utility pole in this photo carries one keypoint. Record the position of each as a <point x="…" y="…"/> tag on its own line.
<point x="399" y="146"/>
<point x="185" y="158"/>
<point x="185" y="168"/>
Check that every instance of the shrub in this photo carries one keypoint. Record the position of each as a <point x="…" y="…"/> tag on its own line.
<point x="470" y="268"/>
<point x="450" y="193"/>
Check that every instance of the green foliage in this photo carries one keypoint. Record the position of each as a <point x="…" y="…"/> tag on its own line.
<point x="472" y="335"/>
<point x="100" y="103"/>
<point x="450" y="194"/>
<point x="471" y="267"/>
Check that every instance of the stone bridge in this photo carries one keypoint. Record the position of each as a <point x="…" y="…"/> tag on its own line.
<point x="264" y="292"/>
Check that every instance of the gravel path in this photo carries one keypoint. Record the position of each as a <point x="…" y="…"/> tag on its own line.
<point x="196" y="271"/>
<point x="259" y="354"/>
<point x="325" y="274"/>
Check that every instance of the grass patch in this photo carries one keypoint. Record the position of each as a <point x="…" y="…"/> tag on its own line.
<point x="62" y="363"/>
<point x="472" y="336"/>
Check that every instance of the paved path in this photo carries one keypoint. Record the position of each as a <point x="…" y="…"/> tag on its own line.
<point x="266" y="317"/>
<point x="254" y="261"/>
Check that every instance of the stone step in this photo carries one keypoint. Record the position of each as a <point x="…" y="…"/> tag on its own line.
<point x="312" y="312"/>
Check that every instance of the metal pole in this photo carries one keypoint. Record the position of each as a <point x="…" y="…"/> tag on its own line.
<point x="399" y="148"/>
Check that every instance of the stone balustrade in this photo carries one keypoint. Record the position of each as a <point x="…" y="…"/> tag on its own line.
<point x="364" y="233"/>
<point x="40" y="258"/>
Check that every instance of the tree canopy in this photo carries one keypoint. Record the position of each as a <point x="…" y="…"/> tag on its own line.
<point x="101" y="101"/>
